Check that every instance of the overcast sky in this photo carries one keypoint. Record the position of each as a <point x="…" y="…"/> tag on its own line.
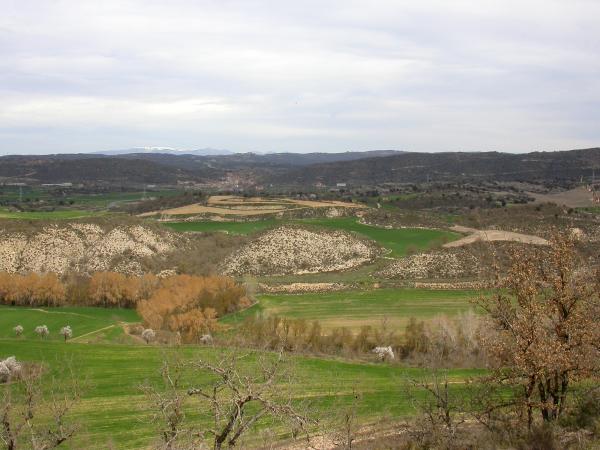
<point x="422" y="75"/>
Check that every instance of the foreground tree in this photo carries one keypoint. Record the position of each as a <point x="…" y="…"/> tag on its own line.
<point x="34" y="411"/>
<point x="168" y="409"/>
<point x="238" y="391"/>
<point x="238" y="400"/>
<point x="547" y="323"/>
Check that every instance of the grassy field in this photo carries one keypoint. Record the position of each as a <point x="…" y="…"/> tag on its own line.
<point x="70" y="205"/>
<point x="114" y="410"/>
<point x="85" y="322"/>
<point x="50" y="215"/>
<point x="245" y="227"/>
<point x="398" y="241"/>
<point x="356" y="308"/>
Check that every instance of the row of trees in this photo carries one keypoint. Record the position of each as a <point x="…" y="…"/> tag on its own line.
<point x="456" y="340"/>
<point x="115" y="290"/>
<point x="107" y="289"/>
<point x="32" y="289"/>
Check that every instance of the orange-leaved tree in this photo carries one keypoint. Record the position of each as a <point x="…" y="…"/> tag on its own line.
<point x="190" y="304"/>
<point x="31" y="289"/>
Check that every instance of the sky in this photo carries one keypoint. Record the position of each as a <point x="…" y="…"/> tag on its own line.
<point x="299" y="76"/>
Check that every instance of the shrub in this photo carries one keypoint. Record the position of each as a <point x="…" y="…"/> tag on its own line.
<point x="9" y="368"/>
<point x="148" y="335"/>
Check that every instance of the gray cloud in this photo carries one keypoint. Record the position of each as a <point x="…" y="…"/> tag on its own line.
<point x="428" y="75"/>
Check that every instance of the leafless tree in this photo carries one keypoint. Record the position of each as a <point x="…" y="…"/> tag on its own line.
<point x="545" y="314"/>
<point x="440" y="411"/>
<point x="168" y="409"/>
<point x="239" y="398"/>
<point x="34" y="410"/>
<point x="346" y="423"/>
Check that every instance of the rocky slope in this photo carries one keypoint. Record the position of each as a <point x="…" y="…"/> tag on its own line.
<point x="82" y="247"/>
<point x="291" y="250"/>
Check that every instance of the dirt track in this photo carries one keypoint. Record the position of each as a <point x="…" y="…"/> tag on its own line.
<point x="492" y="235"/>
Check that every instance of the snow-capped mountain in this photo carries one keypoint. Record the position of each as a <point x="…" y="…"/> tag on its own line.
<point x="169" y="150"/>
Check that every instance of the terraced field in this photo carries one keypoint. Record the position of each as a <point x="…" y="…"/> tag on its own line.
<point x="228" y="205"/>
<point x="356" y="308"/>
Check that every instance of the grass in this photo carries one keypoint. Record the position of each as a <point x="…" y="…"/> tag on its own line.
<point x="49" y="215"/>
<point x="81" y="319"/>
<point x="114" y="410"/>
<point x="356" y="308"/>
<point x="398" y="241"/>
<point x="104" y="200"/>
<point x="70" y="205"/>
<point x="245" y="227"/>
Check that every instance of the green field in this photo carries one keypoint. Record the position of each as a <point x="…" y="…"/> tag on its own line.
<point x="398" y="241"/>
<point x="82" y="320"/>
<point x="49" y="215"/>
<point x="245" y="227"/>
<point x="113" y="408"/>
<point x="67" y="204"/>
<point x="356" y="308"/>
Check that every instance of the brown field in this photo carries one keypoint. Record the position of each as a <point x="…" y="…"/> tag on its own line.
<point x="234" y="200"/>
<point x="252" y="206"/>
<point x="492" y="235"/>
<point x="197" y="208"/>
<point x="578" y="197"/>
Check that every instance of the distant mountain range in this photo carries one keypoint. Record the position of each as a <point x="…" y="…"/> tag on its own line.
<point x="298" y="170"/>
<point x="166" y="150"/>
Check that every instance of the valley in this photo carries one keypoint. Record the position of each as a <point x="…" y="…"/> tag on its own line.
<point x="326" y="276"/>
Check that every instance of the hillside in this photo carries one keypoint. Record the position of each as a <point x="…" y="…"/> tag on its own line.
<point x="295" y="169"/>
<point x="159" y="168"/>
<point x="83" y="168"/>
<point x="421" y="167"/>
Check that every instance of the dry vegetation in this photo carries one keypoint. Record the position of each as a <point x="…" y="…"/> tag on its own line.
<point x="128" y="246"/>
<point x="82" y="247"/>
<point x="441" y="264"/>
<point x="190" y="305"/>
<point x="295" y="250"/>
<point x="491" y="236"/>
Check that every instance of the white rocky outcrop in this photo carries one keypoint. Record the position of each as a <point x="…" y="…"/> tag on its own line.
<point x="292" y="250"/>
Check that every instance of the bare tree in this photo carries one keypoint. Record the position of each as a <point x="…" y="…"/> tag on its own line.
<point x="34" y="412"/>
<point x="168" y="409"/>
<point x="238" y="399"/>
<point x="346" y="424"/>
<point x="441" y="411"/>
<point x="545" y="315"/>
